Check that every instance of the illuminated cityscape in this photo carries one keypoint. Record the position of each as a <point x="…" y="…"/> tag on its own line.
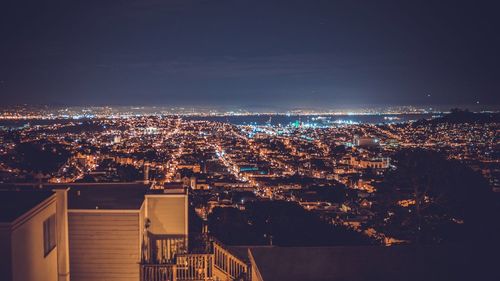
<point x="218" y="140"/>
<point x="331" y="172"/>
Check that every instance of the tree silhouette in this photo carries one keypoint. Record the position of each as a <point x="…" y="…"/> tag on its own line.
<point x="285" y="223"/>
<point x="445" y="198"/>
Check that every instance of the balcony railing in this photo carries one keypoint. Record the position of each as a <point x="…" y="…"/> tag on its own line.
<point x="230" y="265"/>
<point x="158" y="272"/>
<point x="195" y="267"/>
<point x="165" y="260"/>
<point x="188" y="267"/>
<point x="162" y="249"/>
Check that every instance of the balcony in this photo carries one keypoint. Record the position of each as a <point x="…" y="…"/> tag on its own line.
<point x="220" y="264"/>
<point x="162" y="249"/>
<point x="186" y="267"/>
<point x="158" y="272"/>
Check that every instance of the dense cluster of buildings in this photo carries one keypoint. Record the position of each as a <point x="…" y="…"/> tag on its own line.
<point x="273" y="162"/>
<point x="103" y="227"/>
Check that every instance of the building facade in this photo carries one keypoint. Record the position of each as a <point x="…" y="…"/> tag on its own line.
<point x="86" y="232"/>
<point x="34" y="236"/>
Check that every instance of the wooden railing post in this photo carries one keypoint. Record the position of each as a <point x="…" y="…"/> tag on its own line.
<point x="205" y="267"/>
<point x="227" y="267"/>
<point x="174" y="272"/>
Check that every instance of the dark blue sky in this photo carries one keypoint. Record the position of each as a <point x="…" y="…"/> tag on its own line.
<point x="242" y="52"/>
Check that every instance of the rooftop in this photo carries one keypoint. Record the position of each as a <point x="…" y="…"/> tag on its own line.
<point x="107" y="196"/>
<point x="15" y="202"/>
<point x="370" y="263"/>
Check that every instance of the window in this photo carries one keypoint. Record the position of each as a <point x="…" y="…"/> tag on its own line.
<point x="49" y="234"/>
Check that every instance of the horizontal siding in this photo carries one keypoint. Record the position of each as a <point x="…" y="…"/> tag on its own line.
<point x="104" y="246"/>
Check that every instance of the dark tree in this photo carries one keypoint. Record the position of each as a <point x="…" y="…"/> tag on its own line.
<point x="128" y="173"/>
<point x="333" y="194"/>
<point x="338" y="150"/>
<point x="280" y="223"/>
<point x="37" y="157"/>
<point x="232" y="227"/>
<point x="429" y="198"/>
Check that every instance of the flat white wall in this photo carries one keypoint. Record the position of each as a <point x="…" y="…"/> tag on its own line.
<point x="28" y="260"/>
<point x="168" y="214"/>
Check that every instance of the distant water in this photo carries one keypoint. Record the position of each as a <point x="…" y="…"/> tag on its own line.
<point x="259" y="119"/>
<point x="313" y="119"/>
<point x="34" y="122"/>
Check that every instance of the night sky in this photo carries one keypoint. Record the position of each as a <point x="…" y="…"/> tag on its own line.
<point x="250" y="53"/>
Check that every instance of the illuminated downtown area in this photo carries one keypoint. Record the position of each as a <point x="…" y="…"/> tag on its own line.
<point x="224" y="140"/>
<point x="336" y="167"/>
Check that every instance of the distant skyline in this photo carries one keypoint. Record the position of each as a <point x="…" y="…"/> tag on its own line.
<point x="276" y="54"/>
<point x="82" y="110"/>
